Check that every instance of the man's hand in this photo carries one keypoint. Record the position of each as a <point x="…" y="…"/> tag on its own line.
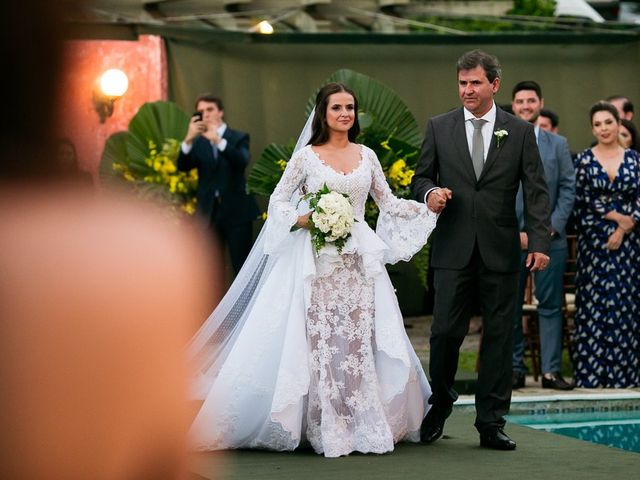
<point x="437" y="199"/>
<point x="196" y="127"/>
<point x="536" y="261"/>
<point x="615" y="239"/>
<point x="524" y="241"/>
<point x="211" y="132"/>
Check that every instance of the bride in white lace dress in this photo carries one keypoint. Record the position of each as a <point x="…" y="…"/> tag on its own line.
<point x="310" y="348"/>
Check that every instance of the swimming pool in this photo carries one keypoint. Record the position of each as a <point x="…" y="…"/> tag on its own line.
<point x="611" y="419"/>
<point x="615" y="429"/>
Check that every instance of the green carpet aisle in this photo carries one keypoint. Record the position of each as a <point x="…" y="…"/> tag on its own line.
<point x="540" y="455"/>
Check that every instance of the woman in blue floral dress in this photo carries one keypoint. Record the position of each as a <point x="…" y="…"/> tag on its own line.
<point x="607" y="335"/>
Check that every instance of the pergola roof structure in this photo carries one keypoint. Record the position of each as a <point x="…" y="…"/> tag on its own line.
<point x="113" y="18"/>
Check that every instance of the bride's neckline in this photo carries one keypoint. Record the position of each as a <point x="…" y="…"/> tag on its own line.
<point x="340" y="172"/>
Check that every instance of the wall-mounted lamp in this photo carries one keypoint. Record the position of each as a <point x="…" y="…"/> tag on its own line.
<point x="263" y="27"/>
<point x="111" y="85"/>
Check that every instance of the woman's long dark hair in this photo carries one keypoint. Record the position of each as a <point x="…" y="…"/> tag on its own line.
<point x="319" y="126"/>
<point x="633" y="131"/>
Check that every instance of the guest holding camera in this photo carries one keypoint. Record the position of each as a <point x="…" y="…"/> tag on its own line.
<point x="221" y="156"/>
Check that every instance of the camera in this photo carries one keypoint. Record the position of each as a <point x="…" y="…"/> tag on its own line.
<point x="198" y="115"/>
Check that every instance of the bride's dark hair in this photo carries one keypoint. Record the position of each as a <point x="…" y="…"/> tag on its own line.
<point x="319" y="126"/>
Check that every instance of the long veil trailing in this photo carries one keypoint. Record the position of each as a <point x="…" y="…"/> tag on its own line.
<point x="210" y="346"/>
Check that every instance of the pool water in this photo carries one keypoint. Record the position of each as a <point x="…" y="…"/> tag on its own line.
<point x="620" y="429"/>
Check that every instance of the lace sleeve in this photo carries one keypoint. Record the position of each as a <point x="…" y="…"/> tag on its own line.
<point x="282" y="213"/>
<point x="404" y="225"/>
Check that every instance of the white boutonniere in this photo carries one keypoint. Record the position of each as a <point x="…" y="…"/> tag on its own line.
<point x="500" y="134"/>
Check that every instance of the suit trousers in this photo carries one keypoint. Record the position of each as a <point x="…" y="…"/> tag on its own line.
<point x="454" y="294"/>
<point x="548" y="292"/>
<point x="238" y="238"/>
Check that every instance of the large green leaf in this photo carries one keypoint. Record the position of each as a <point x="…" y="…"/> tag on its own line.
<point x="267" y="171"/>
<point x="115" y="151"/>
<point x="389" y="114"/>
<point x="154" y="121"/>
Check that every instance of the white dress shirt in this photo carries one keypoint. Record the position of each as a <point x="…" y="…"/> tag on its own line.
<point x="487" y="128"/>
<point x="220" y="146"/>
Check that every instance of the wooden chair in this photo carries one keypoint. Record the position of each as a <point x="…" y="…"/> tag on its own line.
<point x="530" y="327"/>
<point x="530" y="332"/>
<point x="569" y="290"/>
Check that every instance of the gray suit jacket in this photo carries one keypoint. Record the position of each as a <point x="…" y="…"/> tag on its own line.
<point x="483" y="211"/>
<point x="561" y="184"/>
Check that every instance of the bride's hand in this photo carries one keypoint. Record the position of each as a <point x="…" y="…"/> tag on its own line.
<point x="303" y="221"/>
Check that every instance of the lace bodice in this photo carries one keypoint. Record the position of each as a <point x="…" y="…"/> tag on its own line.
<point x="403" y="224"/>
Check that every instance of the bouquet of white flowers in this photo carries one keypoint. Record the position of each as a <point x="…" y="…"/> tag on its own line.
<point x="332" y="218"/>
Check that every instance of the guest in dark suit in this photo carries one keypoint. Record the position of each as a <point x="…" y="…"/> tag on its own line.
<point x="221" y="156"/>
<point x="472" y="162"/>
<point x="527" y="103"/>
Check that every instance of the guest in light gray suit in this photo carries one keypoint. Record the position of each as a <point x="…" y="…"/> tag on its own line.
<point x="473" y="160"/>
<point x="527" y="102"/>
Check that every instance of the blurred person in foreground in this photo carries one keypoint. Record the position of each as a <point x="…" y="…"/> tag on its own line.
<point x="91" y="345"/>
<point x="607" y="337"/>
<point x="560" y="177"/>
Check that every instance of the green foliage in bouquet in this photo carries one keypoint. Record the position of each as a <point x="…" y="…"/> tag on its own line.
<point x="331" y="220"/>
<point x="144" y="157"/>
<point x="387" y="126"/>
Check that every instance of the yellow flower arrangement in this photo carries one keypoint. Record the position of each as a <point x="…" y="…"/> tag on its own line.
<point x="160" y="170"/>
<point x="282" y="164"/>
<point x="399" y="174"/>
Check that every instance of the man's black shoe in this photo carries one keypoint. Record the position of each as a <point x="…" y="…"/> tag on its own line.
<point x="556" y="382"/>
<point x="497" y="440"/>
<point x="433" y="424"/>
<point x="517" y="379"/>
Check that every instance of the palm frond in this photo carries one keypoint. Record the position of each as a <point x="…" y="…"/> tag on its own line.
<point x="115" y="150"/>
<point x="155" y="121"/>
<point x="266" y="172"/>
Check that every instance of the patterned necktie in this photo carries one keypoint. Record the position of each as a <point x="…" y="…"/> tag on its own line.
<point x="477" y="146"/>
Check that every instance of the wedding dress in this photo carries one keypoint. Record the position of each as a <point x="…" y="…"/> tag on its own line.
<point x="310" y="348"/>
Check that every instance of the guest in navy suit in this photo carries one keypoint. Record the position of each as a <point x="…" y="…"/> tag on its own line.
<point x="559" y="173"/>
<point x="221" y="156"/>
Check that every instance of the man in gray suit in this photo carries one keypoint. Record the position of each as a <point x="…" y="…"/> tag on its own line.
<point x="472" y="162"/>
<point x="527" y="103"/>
